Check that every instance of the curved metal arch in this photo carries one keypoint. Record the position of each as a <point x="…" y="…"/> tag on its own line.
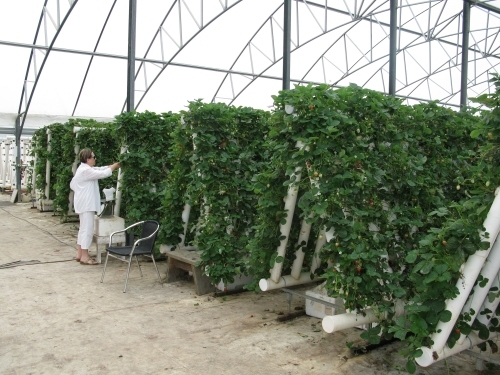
<point x="355" y="18"/>
<point x="30" y="60"/>
<point x="225" y="8"/>
<point x="269" y="19"/>
<point x="445" y="66"/>
<point x="92" y="57"/>
<point x="427" y="36"/>
<point x="23" y="114"/>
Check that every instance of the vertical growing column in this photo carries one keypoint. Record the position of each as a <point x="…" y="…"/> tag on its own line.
<point x="118" y="201"/>
<point x="76" y="129"/>
<point x="47" y="167"/>
<point x="6" y="146"/>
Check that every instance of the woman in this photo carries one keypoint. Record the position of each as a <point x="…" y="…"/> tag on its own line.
<point x="87" y="200"/>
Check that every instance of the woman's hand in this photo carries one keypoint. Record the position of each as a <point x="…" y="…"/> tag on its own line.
<point x="115" y="166"/>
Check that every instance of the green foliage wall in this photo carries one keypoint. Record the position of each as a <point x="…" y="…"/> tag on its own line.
<point x="146" y="163"/>
<point x="216" y="152"/>
<point x="97" y="136"/>
<point x="102" y="139"/>
<point x="39" y="149"/>
<point x="412" y="172"/>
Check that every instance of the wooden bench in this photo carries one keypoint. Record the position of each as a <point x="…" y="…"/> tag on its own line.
<point x="184" y="260"/>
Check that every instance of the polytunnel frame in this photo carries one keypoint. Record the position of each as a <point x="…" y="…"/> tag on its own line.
<point x="132" y="75"/>
<point x="394" y="47"/>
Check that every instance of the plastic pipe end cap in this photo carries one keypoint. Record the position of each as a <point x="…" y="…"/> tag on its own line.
<point x="328" y="324"/>
<point x="426" y="359"/>
<point x="263" y="285"/>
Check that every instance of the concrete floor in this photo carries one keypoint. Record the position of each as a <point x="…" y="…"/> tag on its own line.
<point x="57" y="318"/>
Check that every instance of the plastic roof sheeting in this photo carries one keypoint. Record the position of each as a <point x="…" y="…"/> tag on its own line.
<point x="231" y="51"/>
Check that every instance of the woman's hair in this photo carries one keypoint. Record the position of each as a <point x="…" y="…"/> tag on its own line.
<point x="85" y="154"/>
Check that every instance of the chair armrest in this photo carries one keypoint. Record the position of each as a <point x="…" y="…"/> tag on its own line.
<point x="123" y="230"/>
<point x="136" y="243"/>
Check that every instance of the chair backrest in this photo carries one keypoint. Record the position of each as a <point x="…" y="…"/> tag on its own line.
<point x="149" y="227"/>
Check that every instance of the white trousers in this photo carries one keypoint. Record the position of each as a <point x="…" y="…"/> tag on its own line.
<point x="86" y="230"/>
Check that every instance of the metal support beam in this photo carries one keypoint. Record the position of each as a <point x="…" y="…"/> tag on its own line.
<point x="287" y="33"/>
<point x="18" y="158"/>
<point x="465" y="54"/>
<point x="393" y="46"/>
<point x="484" y="5"/>
<point x="132" y="17"/>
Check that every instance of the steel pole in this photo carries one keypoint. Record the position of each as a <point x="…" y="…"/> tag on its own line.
<point x="287" y="22"/>
<point x="132" y="17"/>
<point x="393" y="46"/>
<point x="465" y="54"/>
<point x="18" y="158"/>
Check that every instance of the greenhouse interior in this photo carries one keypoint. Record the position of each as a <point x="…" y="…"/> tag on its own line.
<point x="340" y="152"/>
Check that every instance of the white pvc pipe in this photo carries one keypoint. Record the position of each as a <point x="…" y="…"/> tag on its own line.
<point x="13" y="167"/>
<point x="430" y="356"/>
<point x="492" y="306"/>
<point x="290" y="201"/>
<point x="285" y="281"/>
<point x="47" y="167"/>
<point x="186" y="212"/>
<point x="6" y="164"/>
<point x="118" y="201"/>
<point x="2" y="157"/>
<point x="315" y="263"/>
<point x="74" y="166"/>
<point x="333" y="323"/>
<point x="33" y="178"/>
<point x="305" y="230"/>
<point x="470" y="271"/>
<point x="304" y="277"/>
<point x="479" y="294"/>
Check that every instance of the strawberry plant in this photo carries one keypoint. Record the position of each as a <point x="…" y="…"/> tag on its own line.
<point x="225" y="153"/>
<point x="146" y="163"/>
<point x="404" y="188"/>
<point x="39" y="150"/>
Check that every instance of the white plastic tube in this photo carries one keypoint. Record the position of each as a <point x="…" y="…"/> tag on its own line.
<point x="471" y="270"/>
<point x="185" y="219"/>
<point x="334" y="323"/>
<point x="6" y="164"/>
<point x="304" y="277"/>
<point x="305" y="230"/>
<point x="479" y="294"/>
<point x="285" y="281"/>
<point x="492" y="306"/>
<point x="2" y="157"/>
<point x="118" y="200"/>
<point x="429" y="356"/>
<point x="47" y="167"/>
<point x="315" y="263"/>
<point x="290" y="202"/>
<point x="76" y="129"/>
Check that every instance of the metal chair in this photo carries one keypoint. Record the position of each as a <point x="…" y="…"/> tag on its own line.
<point x="142" y="246"/>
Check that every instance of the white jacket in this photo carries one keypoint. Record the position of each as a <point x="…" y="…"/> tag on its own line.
<point x="84" y="184"/>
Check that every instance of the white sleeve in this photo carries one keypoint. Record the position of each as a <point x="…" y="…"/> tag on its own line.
<point x="97" y="173"/>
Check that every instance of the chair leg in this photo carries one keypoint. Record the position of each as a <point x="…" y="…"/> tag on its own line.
<point x="104" y="269"/>
<point x="128" y="271"/>
<point x="157" y="272"/>
<point x="138" y="265"/>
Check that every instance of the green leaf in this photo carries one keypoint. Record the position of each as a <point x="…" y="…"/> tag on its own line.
<point x="279" y="259"/>
<point x="410" y="366"/>
<point x="427" y="267"/>
<point x="484" y="332"/>
<point x="401" y="334"/>
<point x="412" y="256"/>
<point x="445" y="316"/>
<point x="475" y="133"/>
